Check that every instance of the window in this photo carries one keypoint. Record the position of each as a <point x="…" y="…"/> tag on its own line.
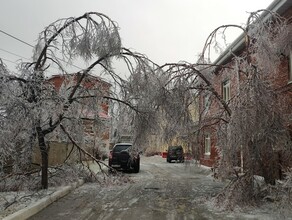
<point x="207" y="102"/>
<point x="207" y="144"/>
<point x="121" y="147"/>
<point x="226" y="90"/>
<point x="290" y="68"/>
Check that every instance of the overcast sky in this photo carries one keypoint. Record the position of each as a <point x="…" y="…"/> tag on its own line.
<point x="164" y="30"/>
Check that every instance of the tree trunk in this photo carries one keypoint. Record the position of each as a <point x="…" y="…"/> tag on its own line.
<point x="45" y="165"/>
<point x="269" y="177"/>
<point x="44" y="158"/>
<point x="269" y="165"/>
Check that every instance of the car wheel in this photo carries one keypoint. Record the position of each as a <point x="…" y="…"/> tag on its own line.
<point x="137" y="166"/>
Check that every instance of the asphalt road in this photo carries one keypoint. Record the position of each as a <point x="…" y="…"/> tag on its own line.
<point x="160" y="191"/>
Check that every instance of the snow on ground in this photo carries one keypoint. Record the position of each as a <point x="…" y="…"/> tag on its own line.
<point x="11" y="202"/>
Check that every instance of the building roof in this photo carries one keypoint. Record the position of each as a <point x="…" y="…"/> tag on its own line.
<point x="74" y="74"/>
<point x="278" y="6"/>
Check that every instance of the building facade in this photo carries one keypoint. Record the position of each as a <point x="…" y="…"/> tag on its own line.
<point x="93" y="114"/>
<point x="226" y="84"/>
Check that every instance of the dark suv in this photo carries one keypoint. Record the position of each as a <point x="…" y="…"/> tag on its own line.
<point x="124" y="157"/>
<point x="175" y="153"/>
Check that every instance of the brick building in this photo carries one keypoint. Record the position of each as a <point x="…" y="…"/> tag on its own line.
<point x="226" y="84"/>
<point x="97" y="137"/>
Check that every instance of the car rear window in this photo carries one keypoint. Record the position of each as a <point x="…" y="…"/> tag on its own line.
<point x="119" y="148"/>
<point x="174" y="148"/>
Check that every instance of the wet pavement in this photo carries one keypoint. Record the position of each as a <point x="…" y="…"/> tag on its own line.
<point x="160" y="191"/>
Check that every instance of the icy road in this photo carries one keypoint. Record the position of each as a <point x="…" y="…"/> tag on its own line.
<point x="160" y="191"/>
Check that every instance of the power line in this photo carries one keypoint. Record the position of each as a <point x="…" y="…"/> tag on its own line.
<point x="8" y="60"/>
<point x="16" y="38"/>
<point x="14" y="54"/>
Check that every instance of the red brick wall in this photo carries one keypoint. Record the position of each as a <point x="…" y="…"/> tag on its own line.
<point x="214" y="109"/>
<point x="89" y="83"/>
<point x="58" y="80"/>
<point x="279" y="82"/>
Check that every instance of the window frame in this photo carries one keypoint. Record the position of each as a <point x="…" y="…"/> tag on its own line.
<point x="226" y="90"/>
<point x="207" y="144"/>
<point x="207" y="102"/>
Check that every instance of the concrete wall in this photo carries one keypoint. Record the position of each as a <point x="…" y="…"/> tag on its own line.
<point x="57" y="154"/>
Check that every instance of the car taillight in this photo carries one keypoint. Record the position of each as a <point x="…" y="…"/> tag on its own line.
<point x="111" y="155"/>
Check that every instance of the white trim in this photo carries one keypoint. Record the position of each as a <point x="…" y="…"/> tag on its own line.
<point x="207" y="142"/>
<point x="226" y="93"/>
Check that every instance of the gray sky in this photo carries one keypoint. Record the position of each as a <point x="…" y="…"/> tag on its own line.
<point x="164" y="30"/>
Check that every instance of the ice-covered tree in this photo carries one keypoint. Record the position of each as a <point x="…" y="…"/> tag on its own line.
<point x="254" y="128"/>
<point x="32" y="108"/>
<point x="249" y="126"/>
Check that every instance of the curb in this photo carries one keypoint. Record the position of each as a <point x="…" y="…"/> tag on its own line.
<point x="31" y="210"/>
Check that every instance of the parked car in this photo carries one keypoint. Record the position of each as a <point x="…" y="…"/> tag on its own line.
<point x="175" y="153"/>
<point x="124" y="157"/>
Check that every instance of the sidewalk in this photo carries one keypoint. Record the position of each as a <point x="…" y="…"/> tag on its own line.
<point x="42" y="203"/>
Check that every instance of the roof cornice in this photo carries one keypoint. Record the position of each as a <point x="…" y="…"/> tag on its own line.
<point x="278" y="6"/>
